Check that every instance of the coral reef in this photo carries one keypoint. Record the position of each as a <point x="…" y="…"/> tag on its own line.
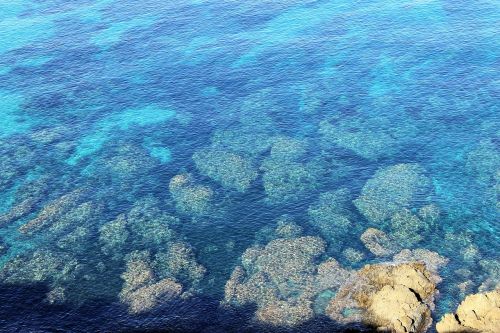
<point x="477" y="313"/>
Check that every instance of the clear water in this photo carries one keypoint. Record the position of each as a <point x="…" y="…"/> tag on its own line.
<point x="271" y="107"/>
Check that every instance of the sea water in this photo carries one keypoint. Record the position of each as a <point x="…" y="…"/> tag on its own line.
<point x="146" y="141"/>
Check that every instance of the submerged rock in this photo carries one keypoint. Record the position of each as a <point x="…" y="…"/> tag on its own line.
<point x="190" y="198"/>
<point x="123" y="162"/>
<point x="53" y="211"/>
<point x="353" y="255"/>
<point x="286" y="177"/>
<point x="429" y="213"/>
<point x="287" y="182"/>
<point x="56" y="296"/>
<point x="491" y="276"/>
<point x="288" y="149"/>
<point x="279" y="279"/>
<point x="145" y="225"/>
<point x="358" y="138"/>
<point x="179" y="263"/>
<point x="3" y="248"/>
<point x="290" y="284"/>
<point x="113" y="236"/>
<point x="27" y="198"/>
<point x="231" y="170"/>
<point x="477" y="313"/>
<point x="331" y="215"/>
<point x="484" y="161"/>
<point x="142" y="291"/>
<point x="378" y="242"/>
<point x="390" y="190"/>
<point x="56" y="269"/>
<point x="17" y="158"/>
<point x="433" y="261"/>
<point x="407" y="229"/>
<point x="287" y="228"/>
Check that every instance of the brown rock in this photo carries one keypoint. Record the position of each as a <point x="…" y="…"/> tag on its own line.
<point x="432" y="260"/>
<point x="395" y="298"/>
<point x="406" y="313"/>
<point x="477" y="313"/>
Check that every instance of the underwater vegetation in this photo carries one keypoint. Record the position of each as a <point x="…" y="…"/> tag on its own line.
<point x="214" y="166"/>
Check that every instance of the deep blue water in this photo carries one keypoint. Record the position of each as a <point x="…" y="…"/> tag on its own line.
<point x="260" y="110"/>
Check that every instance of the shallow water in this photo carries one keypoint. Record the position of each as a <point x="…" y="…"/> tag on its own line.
<point x="138" y="126"/>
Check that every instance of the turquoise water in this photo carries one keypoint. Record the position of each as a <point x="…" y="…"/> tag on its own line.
<point x="168" y="137"/>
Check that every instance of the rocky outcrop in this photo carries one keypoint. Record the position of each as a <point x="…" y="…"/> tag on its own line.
<point x="390" y="297"/>
<point x="477" y="313"/>
<point x="433" y="261"/>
